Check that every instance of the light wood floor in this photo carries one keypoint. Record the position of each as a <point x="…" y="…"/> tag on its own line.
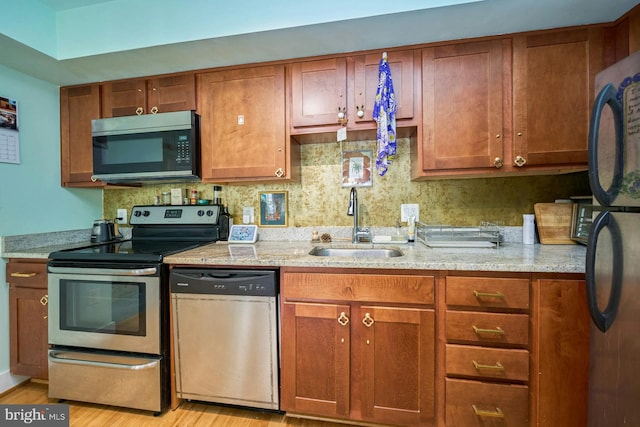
<point x="187" y="414"/>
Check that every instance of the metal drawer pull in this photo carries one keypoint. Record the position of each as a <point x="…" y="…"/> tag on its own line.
<point x="492" y="414"/>
<point x="488" y="294"/>
<point x="498" y="330"/>
<point x="367" y="320"/>
<point x="44" y="300"/>
<point x="343" y="319"/>
<point x="24" y="275"/>
<point x="497" y="367"/>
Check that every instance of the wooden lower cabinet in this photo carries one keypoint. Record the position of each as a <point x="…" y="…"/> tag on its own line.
<point x="560" y="352"/>
<point x="28" y="310"/>
<point x="352" y="352"/>
<point x="475" y="403"/>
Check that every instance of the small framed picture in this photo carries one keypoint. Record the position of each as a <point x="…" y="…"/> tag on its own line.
<point x="356" y="168"/>
<point x="273" y="209"/>
<point x="243" y="233"/>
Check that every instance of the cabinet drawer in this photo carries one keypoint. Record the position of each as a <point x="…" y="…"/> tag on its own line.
<point x="474" y="403"/>
<point x="27" y="274"/>
<point x="487" y="328"/>
<point x="487" y="363"/>
<point x="491" y="292"/>
<point x="359" y="287"/>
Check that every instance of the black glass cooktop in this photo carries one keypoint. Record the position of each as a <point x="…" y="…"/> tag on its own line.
<point x="125" y="251"/>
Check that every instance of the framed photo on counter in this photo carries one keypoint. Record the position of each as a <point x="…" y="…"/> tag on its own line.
<point x="273" y="209"/>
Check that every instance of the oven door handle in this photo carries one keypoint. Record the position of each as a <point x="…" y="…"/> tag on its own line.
<point x="150" y="271"/>
<point x="69" y="360"/>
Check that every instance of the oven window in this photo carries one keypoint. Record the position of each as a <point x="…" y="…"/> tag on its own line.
<point x="103" y="307"/>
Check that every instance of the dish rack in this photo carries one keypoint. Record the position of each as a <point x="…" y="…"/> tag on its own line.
<point x="487" y="235"/>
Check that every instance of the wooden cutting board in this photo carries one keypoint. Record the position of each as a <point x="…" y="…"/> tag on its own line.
<point x="554" y="223"/>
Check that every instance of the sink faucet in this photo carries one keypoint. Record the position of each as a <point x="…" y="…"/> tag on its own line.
<point x="359" y="234"/>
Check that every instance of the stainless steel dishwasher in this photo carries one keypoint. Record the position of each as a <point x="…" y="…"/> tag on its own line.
<point x="225" y="329"/>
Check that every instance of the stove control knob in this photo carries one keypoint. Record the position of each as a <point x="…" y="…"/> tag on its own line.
<point x="137" y="213"/>
<point x="209" y="212"/>
<point x="146" y="213"/>
<point x="200" y="212"/>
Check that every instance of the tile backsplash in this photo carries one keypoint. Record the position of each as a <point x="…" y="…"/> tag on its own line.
<point x="318" y="199"/>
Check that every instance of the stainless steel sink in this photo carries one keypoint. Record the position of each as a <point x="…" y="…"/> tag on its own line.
<point x="356" y="252"/>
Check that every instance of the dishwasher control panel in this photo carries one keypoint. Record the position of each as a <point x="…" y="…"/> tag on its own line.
<point x="224" y="282"/>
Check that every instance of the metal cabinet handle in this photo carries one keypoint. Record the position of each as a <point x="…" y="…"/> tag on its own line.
<point x="343" y="319"/>
<point x="520" y="161"/>
<point x="367" y="320"/>
<point x="154" y="109"/>
<point x="498" y="162"/>
<point x="342" y="116"/>
<point x="479" y="294"/>
<point x="44" y="301"/>
<point x="496" y="367"/>
<point x="279" y="173"/>
<point x="23" y="275"/>
<point x="484" y="413"/>
<point x="498" y="330"/>
<point x="139" y="111"/>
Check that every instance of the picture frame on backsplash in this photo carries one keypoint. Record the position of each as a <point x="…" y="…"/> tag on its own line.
<point x="273" y="209"/>
<point x="356" y="168"/>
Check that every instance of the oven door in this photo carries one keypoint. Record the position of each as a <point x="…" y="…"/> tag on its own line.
<point x="105" y="308"/>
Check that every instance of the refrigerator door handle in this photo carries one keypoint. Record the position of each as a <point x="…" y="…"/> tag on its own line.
<point x="604" y="319"/>
<point x="607" y="96"/>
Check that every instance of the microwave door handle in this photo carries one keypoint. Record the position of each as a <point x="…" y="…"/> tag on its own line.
<point x="150" y="271"/>
<point x="607" y="96"/>
<point x="604" y="319"/>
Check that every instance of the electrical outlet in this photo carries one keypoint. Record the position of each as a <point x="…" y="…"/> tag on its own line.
<point x="409" y="210"/>
<point x="122" y="213"/>
<point x="248" y="215"/>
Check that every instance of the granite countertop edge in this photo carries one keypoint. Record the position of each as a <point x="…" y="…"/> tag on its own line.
<point x="509" y="257"/>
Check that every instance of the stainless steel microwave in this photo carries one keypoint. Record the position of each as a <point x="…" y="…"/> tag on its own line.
<point x="146" y="148"/>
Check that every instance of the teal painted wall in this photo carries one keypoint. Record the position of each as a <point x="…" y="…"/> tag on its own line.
<point x="31" y="198"/>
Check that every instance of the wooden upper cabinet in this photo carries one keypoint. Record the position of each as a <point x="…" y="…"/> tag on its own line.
<point x="362" y="93"/>
<point x="323" y="89"/>
<point x="462" y="106"/>
<point x="553" y="84"/>
<point x="78" y="106"/>
<point x="243" y="125"/>
<point x="318" y="92"/>
<point x="149" y="96"/>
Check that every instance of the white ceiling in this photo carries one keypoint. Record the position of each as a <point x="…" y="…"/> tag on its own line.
<point x="475" y="19"/>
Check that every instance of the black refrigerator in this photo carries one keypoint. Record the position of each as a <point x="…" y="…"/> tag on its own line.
<point x="613" y="251"/>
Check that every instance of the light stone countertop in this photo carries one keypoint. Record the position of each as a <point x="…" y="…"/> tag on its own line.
<point x="511" y="257"/>
<point x="271" y="252"/>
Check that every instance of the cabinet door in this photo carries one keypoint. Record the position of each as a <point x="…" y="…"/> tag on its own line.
<point x="364" y="87"/>
<point x="462" y="100"/>
<point x="171" y="93"/>
<point x="78" y="106"/>
<point x="315" y="359"/>
<point x="124" y="98"/>
<point x="318" y="92"/>
<point x="243" y="125"/>
<point x="398" y="365"/>
<point x="553" y="78"/>
<point x="561" y="353"/>
<point x="28" y="331"/>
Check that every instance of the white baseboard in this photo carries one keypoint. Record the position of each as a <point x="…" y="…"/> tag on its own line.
<point x="9" y="381"/>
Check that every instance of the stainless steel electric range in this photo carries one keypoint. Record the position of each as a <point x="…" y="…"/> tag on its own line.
<point x="109" y="309"/>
